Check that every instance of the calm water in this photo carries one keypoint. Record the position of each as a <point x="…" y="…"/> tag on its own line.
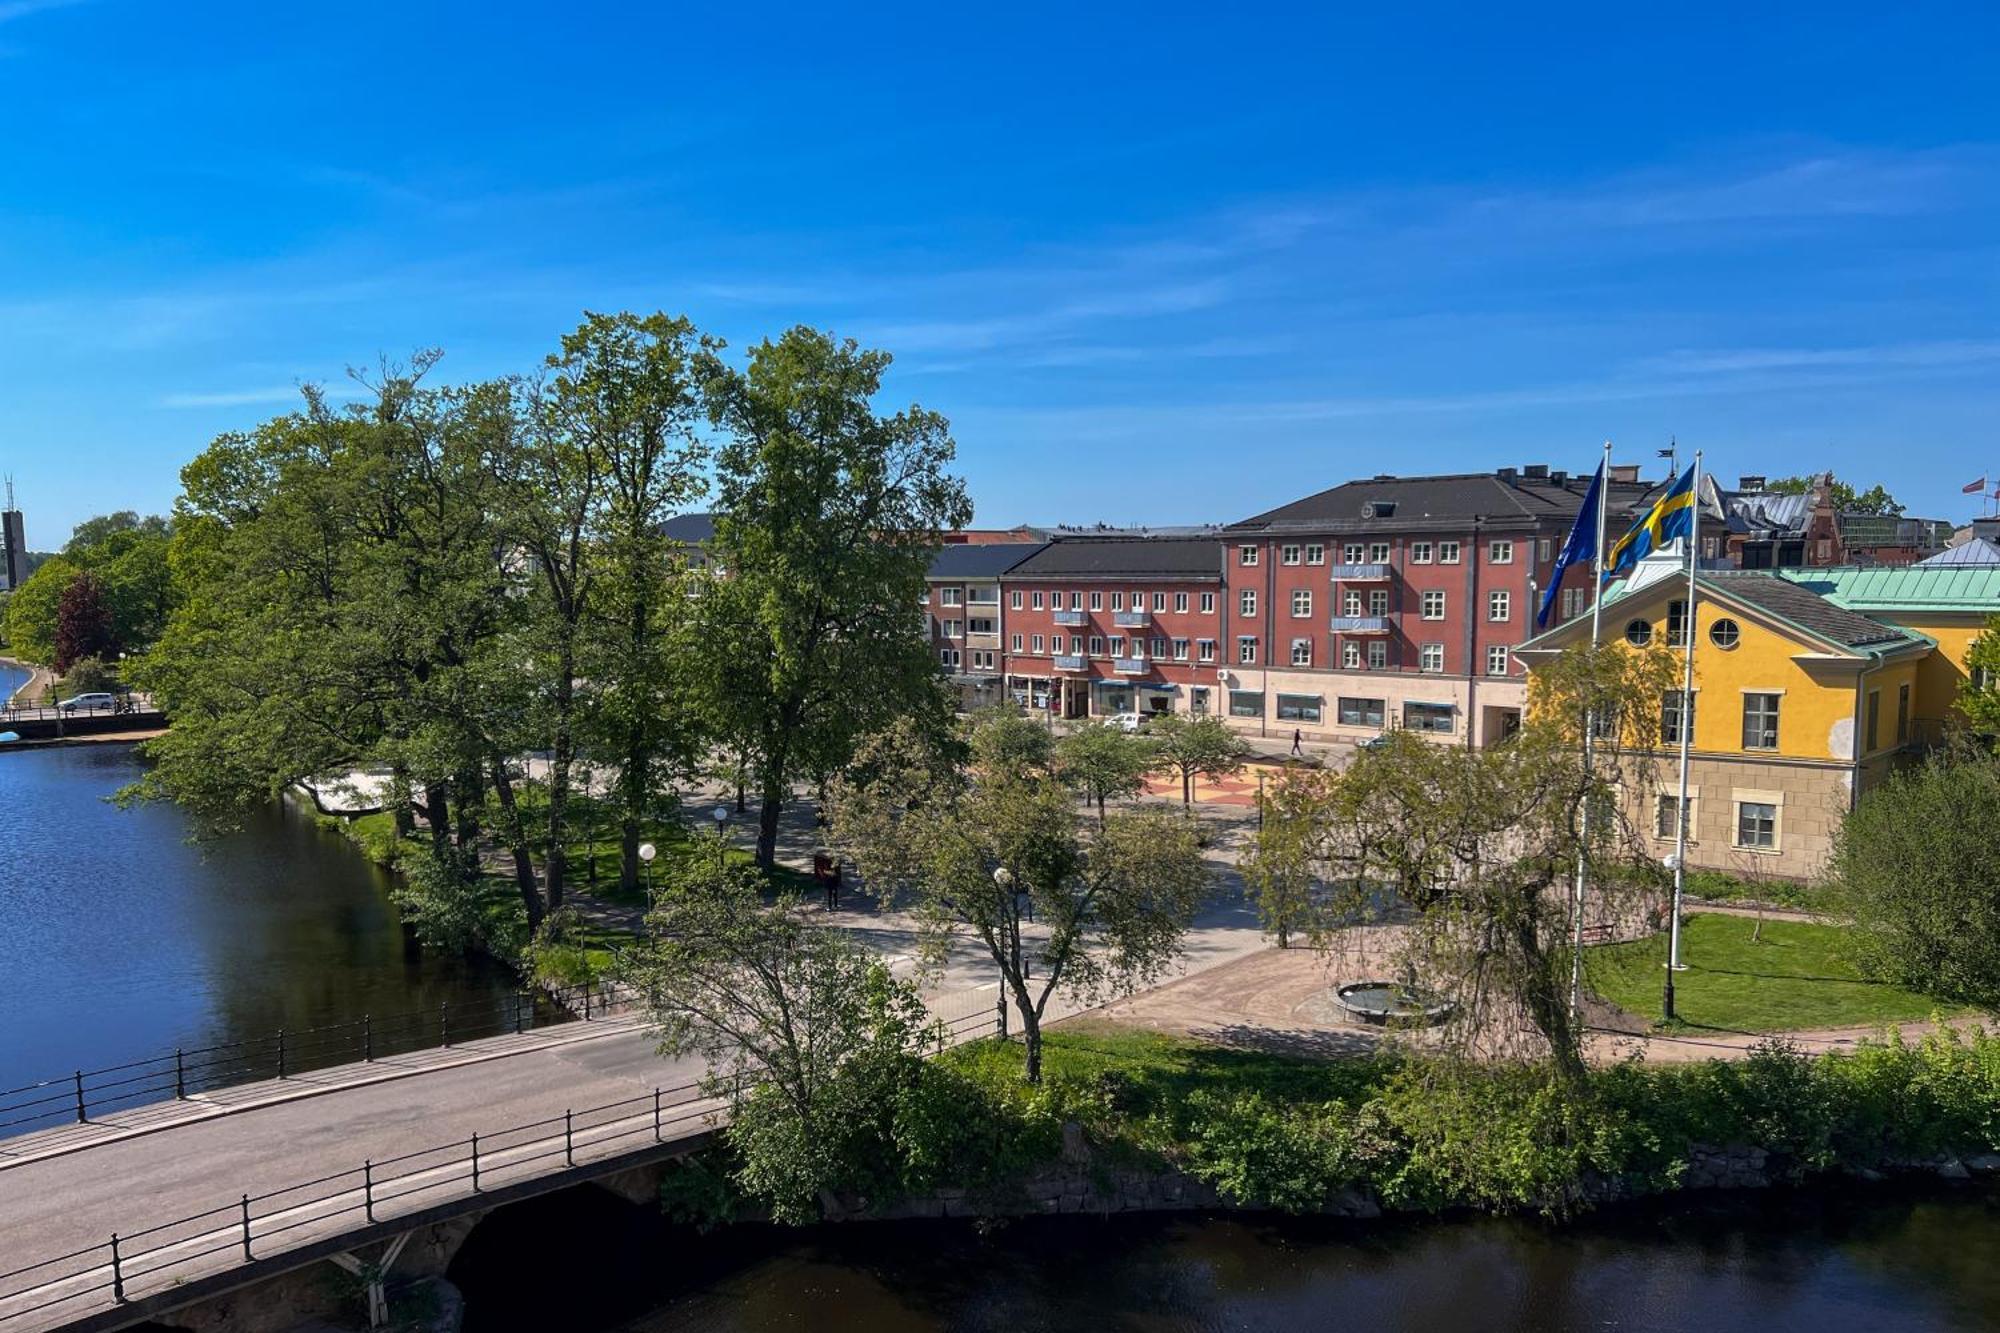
<point x="1745" y="1264"/>
<point x="119" y="939"/>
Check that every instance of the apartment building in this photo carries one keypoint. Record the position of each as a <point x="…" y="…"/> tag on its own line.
<point x="1399" y="601"/>
<point x="1101" y="625"/>
<point x="963" y="610"/>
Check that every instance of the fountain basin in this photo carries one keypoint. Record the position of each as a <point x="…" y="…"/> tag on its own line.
<point x="1384" y="1002"/>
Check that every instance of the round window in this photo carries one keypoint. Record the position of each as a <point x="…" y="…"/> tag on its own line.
<point x="1639" y="633"/>
<point x="1724" y="634"/>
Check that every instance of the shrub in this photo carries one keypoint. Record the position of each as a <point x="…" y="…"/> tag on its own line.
<point x="1259" y="1152"/>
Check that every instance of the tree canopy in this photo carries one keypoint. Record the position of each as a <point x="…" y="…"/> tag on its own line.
<point x="1876" y="500"/>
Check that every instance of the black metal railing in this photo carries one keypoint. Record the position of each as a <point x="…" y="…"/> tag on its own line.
<point x="187" y="1071"/>
<point x="134" y="1265"/>
<point x="129" y="705"/>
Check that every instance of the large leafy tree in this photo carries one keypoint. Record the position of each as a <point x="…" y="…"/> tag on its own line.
<point x="1060" y="903"/>
<point x="1102" y="762"/>
<point x="83" y="622"/>
<point x="32" y="608"/>
<point x="1875" y="500"/>
<point x="1979" y="698"/>
<point x="828" y="514"/>
<point x="1191" y="747"/>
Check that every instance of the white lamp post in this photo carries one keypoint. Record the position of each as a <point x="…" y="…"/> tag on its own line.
<point x="721" y="817"/>
<point x="647" y="851"/>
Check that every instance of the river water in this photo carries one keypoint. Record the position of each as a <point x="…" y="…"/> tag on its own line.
<point x="120" y="939"/>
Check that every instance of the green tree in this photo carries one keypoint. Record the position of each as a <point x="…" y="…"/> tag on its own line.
<point x="32" y="610"/>
<point x="1192" y="747"/>
<point x="801" y="1029"/>
<point x="987" y="851"/>
<point x="93" y="532"/>
<point x="1922" y="888"/>
<point x="1875" y="500"/>
<point x="1100" y="761"/>
<point x="828" y="516"/>
<point x="1979" y="697"/>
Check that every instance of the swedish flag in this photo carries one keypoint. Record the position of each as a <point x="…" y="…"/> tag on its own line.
<point x="1671" y="517"/>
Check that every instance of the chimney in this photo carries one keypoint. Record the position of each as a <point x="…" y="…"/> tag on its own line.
<point x="1536" y="472"/>
<point x="1559" y="478"/>
<point x="1626" y="473"/>
<point x="1505" y="474"/>
<point x="1750" y="485"/>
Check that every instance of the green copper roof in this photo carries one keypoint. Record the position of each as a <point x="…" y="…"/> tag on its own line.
<point x="1974" y="589"/>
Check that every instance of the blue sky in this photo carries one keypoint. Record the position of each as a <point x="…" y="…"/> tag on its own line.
<point x="1157" y="263"/>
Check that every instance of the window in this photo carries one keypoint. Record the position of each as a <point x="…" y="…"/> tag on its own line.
<point x="1246" y="602"/>
<point x="982" y="625"/>
<point x="1427" y="717"/>
<point x="1543" y="550"/>
<point x="1076" y="601"/>
<point x="1036" y="600"/>
<point x="1447" y="553"/>
<point x="1670" y="718"/>
<point x="1378" y="654"/>
<point x="1299" y="708"/>
<point x="1499" y="604"/>
<point x="1118" y="601"/>
<point x="1352" y="601"/>
<point x="1246" y="555"/>
<point x="1496" y="660"/>
<point x="1574" y="602"/>
<point x="1015" y="601"/>
<point x="1117" y="643"/>
<point x="1756" y="825"/>
<point x="1760" y="721"/>
<point x="1180" y="601"/>
<point x="1500" y="553"/>
<point x="1138" y="600"/>
<point x="1639" y="633"/>
<point x="1677" y="615"/>
<point x="1096" y="645"/>
<point x="1874" y="720"/>
<point x="1160" y="601"/>
<point x="1315" y="554"/>
<point x="984" y="595"/>
<point x="948" y="656"/>
<point x="1208" y="603"/>
<point x="1159" y="647"/>
<point x="1431" y="657"/>
<point x="1180" y="650"/>
<point x="1037" y="641"/>
<point x="1015" y="644"/>
<point x="1351" y="553"/>
<point x="1724" y="633"/>
<point x="1097" y="601"/>
<point x="1378" y="602"/>
<point x="1420" y="553"/>
<point x="951" y="596"/>
<point x="1246" y="649"/>
<point x="1665" y="812"/>
<point x="1902" y="714"/>
<point x="1302" y="652"/>
<point x="1433" y="605"/>
<point x="1246" y="703"/>
<point x="1075" y="644"/>
<point x="954" y="629"/>
<point x="1302" y="603"/>
<point x="1350" y="655"/>
<point x="1288" y="555"/>
<point x="1360" y="713"/>
<point x="1378" y="553"/>
<point x="1198" y="700"/>
<point x="1204" y="650"/>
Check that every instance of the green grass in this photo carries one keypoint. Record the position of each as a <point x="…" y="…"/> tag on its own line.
<point x="1794" y="977"/>
<point x="1716" y="886"/>
<point x="1161" y="1070"/>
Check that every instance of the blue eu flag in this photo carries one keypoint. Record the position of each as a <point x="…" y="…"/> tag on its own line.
<point x="1580" y="549"/>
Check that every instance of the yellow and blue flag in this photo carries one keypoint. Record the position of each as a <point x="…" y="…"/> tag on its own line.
<point x="1670" y="518"/>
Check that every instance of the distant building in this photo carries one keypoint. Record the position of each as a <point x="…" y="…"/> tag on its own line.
<point x="1974" y="546"/>
<point x="962" y="608"/>
<point x="1764" y="529"/>
<point x="13" y="548"/>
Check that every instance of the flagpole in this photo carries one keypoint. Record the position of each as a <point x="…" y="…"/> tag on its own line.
<point x="1674" y="963"/>
<point x="1589" y="737"/>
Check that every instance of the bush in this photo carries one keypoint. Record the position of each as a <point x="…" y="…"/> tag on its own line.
<point x="1259" y="1152"/>
<point x="89" y="675"/>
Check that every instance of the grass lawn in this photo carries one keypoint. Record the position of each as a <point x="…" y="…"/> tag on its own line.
<point x="1793" y="978"/>
<point x="1162" y="1069"/>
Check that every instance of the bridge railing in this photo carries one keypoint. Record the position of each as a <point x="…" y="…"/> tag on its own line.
<point x="131" y="1266"/>
<point x="189" y="1071"/>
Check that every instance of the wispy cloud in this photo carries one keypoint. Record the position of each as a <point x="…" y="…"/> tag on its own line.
<point x="1733" y="361"/>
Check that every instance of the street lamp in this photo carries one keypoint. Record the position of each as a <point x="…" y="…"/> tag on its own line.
<point x="647" y="851"/>
<point x="721" y="817"/>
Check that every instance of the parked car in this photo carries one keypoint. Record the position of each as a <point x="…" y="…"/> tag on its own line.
<point x="1126" y="722"/>
<point x="89" y="703"/>
<point x="1379" y="741"/>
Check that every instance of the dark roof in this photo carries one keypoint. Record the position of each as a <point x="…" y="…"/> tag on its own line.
<point x="1117" y="557"/>
<point x="693" y="529"/>
<point x="1805" y="608"/>
<point x="1442" y="502"/>
<point x="980" y="560"/>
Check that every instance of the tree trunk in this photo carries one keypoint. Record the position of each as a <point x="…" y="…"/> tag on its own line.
<point x="1187" y="788"/>
<point x="628" y="855"/>
<point x="517" y="842"/>
<point x="437" y="814"/>
<point x="773" y="796"/>
<point x="742" y="804"/>
<point x="633" y="783"/>
<point x="562" y="744"/>
<point x="467" y="798"/>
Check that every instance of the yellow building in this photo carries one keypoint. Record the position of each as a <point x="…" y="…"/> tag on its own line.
<point x="1809" y="685"/>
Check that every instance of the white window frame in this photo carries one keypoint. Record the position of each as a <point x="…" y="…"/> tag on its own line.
<point x="1246" y="555"/>
<point x="1449" y="553"/>
<point x="1350" y="655"/>
<point x="1246" y="603"/>
<point x="1499" y="551"/>
<point x="1180" y="601"/>
<point x="1499" y="662"/>
<point x="1289" y="553"/>
<point x="1204" y="650"/>
<point x="1430" y="659"/>
<point x="1246" y="650"/>
<point x="1302" y="652"/>
<point x="1208" y="603"/>
<point x="1315" y="553"/>
<point x="1420" y="553"/>
<point x="1499" y="606"/>
<point x="1302" y="603"/>
<point x="1426" y="604"/>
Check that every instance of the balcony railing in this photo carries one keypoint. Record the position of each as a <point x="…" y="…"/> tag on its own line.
<point x="1072" y="618"/>
<point x="1360" y="625"/>
<point x="1132" y="619"/>
<point x="1359" y="573"/>
<point x="1072" y="662"/>
<point x="1131" y="666"/>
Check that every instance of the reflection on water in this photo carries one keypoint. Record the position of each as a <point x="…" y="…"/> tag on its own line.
<point x="1822" y="1262"/>
<point x="119" y="939"/>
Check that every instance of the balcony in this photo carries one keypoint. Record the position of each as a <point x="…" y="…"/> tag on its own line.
<point x="1072" y="662"/>
<point x="1074" y="618"/>
<point x="1131" y="666"/>
<point x="1132" y="619"/>
<point x="1358" y="573"/>
<point x="1360" y="625"/>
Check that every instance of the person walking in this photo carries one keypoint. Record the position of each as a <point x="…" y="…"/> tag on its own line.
<point x="1298" y="742"/>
